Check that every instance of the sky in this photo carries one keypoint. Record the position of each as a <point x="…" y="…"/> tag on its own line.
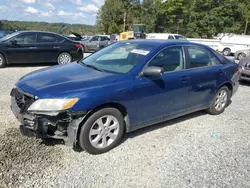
<point x="68" y="11"/>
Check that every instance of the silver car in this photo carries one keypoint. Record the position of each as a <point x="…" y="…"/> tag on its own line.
<point x="95" y="43"/>
<point x="241" y="54"/>
<point x="245" y="69"/>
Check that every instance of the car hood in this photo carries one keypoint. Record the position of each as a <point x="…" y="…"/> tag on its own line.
<point x="64" y="80"/>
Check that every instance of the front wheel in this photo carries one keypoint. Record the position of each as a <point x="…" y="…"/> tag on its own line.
<point x="220" y="101"/>
<point x="64" y="58"/>
<point x="102" y="131"/>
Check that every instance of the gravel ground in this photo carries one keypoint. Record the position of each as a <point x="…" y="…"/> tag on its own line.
<point x="197" y="150"/>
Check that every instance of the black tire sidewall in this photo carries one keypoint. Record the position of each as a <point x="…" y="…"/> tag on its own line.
<point x="4" y="61"/>
<point x="212" y="109"/>
<point x="243" y="54"/>
<point x="227" y="49"/>
<point x="84" y="132"/>
<point x="61" y="55"/>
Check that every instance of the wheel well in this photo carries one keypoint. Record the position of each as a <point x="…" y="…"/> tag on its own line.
<point x="230" y="87"/>
<point x="117" y="106"/>
<point x="226" y="49"/>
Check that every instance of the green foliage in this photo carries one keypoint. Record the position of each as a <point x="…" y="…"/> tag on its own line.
<point x="192" y="18"/>
<point x="61" y="28"/>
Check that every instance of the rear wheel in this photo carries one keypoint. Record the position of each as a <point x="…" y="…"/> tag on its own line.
<point x="102" y="131"/>
<point x="220" y="101"/>
<point x="241" y="56"/>
<point x="226" y="52"/>
<point x="2" y="61"/>
<point x="64" y="58"/>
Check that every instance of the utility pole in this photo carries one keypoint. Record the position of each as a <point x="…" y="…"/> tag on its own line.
<point x="124" y="20"/>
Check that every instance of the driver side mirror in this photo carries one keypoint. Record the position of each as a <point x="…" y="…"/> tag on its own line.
<point x="153" y="71"/>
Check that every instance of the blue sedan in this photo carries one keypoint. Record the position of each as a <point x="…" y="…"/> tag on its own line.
<point x="121" y="88"/>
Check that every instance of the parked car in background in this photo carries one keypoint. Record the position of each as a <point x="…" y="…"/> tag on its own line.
<point x="241" y="54"/>
<point x="245" y="69"/>
<point x="38" y="47"/>
<point x="165" y="36"/>
<point x="95" y="43"/>
<point x="232" y="43"/>
<point x="123" y="87"/>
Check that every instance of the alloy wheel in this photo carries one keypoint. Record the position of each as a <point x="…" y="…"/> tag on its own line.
<point x="221" y="100"/>
<point x="64" y="59"/>
<point x="104" y="131"/>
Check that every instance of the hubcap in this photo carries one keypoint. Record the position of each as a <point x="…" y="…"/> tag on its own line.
<point x="64" y="59"/>
<point x="221" y="100"/>
<point x="104" y="131"/>
<point x="1" y="61"/>
<point x="241" y="56"/>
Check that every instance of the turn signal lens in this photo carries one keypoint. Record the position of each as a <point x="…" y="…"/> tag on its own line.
<point x="70" y="103"/>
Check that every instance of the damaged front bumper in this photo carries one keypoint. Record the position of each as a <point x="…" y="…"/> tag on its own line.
<point x="64" y="125"/>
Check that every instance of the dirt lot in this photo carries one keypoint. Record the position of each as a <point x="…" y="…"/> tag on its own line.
<point x="197" y="150"/>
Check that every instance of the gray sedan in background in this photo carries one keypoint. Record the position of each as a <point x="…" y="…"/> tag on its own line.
<point x="245" y="69"/>
<point x="95" y="43"/>
<point x="241" y="54"/>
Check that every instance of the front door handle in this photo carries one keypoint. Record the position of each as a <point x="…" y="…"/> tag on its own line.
<point x="56" y="47"/>
<point x="32" y="47"/>
<point x="184" y="79"/>
<point x="220" y="72"/>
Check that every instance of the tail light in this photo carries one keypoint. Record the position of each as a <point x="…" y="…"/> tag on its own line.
<point x="239" y="69"/>
<point x="78" y="46"/>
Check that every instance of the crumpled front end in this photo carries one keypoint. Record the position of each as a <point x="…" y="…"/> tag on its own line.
<point x="63" y="125"/>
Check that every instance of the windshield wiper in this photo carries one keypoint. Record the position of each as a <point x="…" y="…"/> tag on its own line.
<point x="93" y="67"/>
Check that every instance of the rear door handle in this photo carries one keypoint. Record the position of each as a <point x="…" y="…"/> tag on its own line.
<point x="56" y="47"/>
<point x="184" y="79"/>
<point x="32" y="47"/>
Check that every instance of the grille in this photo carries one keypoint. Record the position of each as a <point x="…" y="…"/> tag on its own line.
<point x="23" y="100"/>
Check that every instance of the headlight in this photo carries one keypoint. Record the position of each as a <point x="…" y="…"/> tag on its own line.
<point x="52" y="105"/>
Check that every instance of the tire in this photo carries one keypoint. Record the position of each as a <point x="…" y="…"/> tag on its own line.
<point x="221" y="99"/>
<point x="241" y="56"/>
<point x="64" y="58"/>
<point x="94" y="142"/>
<point x="2" y="61"/>
<point x="227" y="52"/>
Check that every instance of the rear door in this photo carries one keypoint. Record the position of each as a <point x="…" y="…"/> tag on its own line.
<point x="49" y="47"/>
<point x="24" y="50"/>
<point x="206" y="74"/>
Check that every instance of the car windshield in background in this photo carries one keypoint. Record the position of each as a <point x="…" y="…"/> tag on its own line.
<point x="180" y="37"/>
<point x="118" y="57"/>
<point x="7" y="37"/>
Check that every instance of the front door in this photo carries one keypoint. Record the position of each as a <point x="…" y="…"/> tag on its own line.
<point x="159" y="97"/>
<point x="94" y="43"/>
<point x="206" y="72"/>
<point x="22" y="48"/>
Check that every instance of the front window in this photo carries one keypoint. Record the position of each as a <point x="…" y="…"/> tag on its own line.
<point x="25" y="39"/>
<point x="118" y="57"/>
<point x="170" y="59"/>
<point x="7" y="37"/>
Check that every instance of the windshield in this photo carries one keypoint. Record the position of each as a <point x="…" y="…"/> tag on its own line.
<point x="180" y="37"/>
<point x="118" y="57"/>
<point x="7" y="37"/>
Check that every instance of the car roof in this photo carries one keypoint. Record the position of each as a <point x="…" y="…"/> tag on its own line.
<point x="159" y="42"/>
<point x="37" y="31"/>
